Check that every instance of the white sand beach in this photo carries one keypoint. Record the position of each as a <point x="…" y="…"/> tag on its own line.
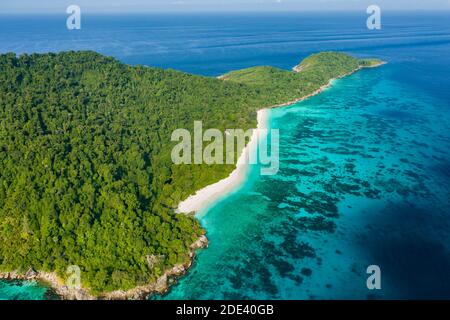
<point x="208" y="195"/>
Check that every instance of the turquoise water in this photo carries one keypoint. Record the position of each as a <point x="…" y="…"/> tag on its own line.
<point x="365" y="166"/>
<point x="364" y="180"/>
<point x="24" y="290"/>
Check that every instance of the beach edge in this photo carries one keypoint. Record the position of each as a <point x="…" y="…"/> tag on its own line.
<point x="207" y="196"/>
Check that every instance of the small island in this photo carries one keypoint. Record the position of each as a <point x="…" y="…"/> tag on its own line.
<point x="86" y="174"/>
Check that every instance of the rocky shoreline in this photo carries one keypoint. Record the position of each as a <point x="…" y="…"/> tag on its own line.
<point x="161" y="285"/>
<point x="299" y="68"/>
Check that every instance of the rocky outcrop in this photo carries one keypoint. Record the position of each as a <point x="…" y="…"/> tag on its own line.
<point x="31" y="274"/>
<point x="161" y="285"/>
<point x="53" y="281"/>
<point x="298" y="68"/>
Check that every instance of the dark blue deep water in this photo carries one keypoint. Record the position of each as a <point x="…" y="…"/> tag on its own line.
<point x="365" y="166"/>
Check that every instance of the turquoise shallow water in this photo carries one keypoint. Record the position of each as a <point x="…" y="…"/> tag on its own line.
<point x="365" y="166"/>
<point x="24" y="290"/>
<point x="364" y="180"/>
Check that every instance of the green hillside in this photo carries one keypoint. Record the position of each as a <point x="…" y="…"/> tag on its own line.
<point x="278" y="86"/>
<point x="86" y="176"/>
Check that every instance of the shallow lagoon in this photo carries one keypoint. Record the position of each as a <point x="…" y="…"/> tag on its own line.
<point x="362" y="182"/>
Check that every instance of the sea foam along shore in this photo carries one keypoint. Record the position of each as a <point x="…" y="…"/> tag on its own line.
<point x="205" y="197"/>
<point x="210" y="194"/>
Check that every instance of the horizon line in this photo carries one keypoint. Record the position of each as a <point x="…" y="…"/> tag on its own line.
<point x="144" y="12"/>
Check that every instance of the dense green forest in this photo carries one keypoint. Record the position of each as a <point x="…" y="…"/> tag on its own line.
<point x="86" y="176"/>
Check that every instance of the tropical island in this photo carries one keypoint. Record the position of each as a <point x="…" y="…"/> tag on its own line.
<point x="86" y="174"/>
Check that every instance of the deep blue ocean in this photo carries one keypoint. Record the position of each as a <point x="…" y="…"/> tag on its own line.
<point x="365" y="166"/>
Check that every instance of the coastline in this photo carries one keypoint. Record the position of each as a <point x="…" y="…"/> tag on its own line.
<point x="208" y="195"/>
<point x="200" y="200"/>
<point x="160" y="286"/>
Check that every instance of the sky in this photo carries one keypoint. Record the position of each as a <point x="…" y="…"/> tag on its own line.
<point x="145" y="6"/>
